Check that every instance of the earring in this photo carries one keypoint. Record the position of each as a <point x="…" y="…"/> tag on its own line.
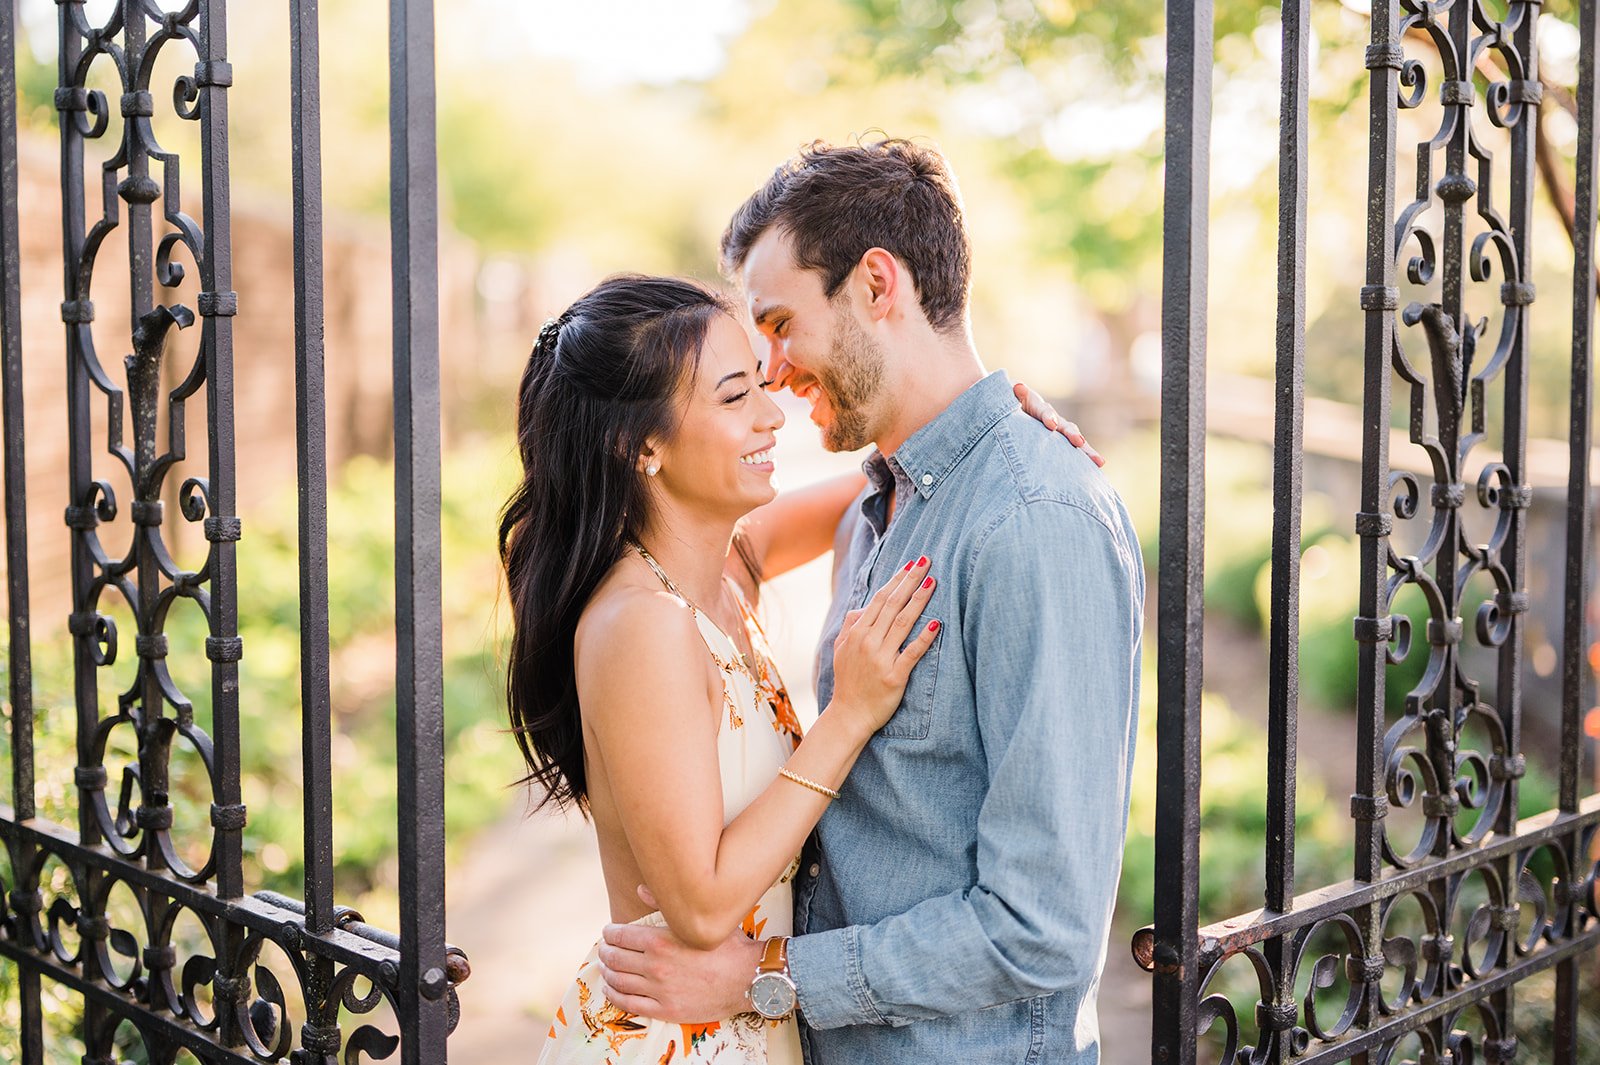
<point x="652" y="469"/>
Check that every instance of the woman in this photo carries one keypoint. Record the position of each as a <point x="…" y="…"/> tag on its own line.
<point x="641" y="688"/>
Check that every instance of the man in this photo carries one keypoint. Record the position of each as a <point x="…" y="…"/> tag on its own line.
<point x="957" y="904"/>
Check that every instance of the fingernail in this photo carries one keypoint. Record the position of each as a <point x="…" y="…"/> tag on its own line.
<point x="927" y="583"/>
<point x="933" y="626"/>
<point x="923" y="561"/>
<point x="913" y="562"/>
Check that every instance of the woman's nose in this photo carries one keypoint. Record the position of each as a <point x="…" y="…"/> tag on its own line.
<point x="772" y="414"/>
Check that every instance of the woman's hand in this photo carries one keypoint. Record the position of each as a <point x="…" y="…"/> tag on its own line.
<point x="1035" y="406"/>
<point x="870" y="668"/>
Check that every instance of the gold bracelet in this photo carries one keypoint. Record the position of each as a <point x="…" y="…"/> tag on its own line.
<point x="804" y="783"/>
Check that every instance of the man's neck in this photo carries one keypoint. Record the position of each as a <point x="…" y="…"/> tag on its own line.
<point x="928" y="382"/>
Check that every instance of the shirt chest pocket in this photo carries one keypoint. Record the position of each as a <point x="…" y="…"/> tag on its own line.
<point x="913" y="719"/>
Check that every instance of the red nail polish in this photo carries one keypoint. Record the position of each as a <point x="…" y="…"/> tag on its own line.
<point x="923" y="561"/>
<point x="909" y="565"/>
<point x="933" y="626"/>
<point x="927" y="582"/>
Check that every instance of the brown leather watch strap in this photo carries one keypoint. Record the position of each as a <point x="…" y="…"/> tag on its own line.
<point x="775" y="958"/>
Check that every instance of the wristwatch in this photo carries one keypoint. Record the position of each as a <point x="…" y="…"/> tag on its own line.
<point x="772" y="991"/>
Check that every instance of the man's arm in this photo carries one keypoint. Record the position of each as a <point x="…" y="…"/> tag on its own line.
<point x="1052" y="627"/>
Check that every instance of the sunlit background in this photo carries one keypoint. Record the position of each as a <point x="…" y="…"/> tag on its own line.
<point x="578" y="139"/>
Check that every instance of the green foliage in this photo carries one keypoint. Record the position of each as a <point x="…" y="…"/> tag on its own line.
<point x="1094" y="218"/>
<point x="980" y="38"/>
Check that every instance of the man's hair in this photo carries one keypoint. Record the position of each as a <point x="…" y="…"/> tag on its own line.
<point x="836" y="202"/>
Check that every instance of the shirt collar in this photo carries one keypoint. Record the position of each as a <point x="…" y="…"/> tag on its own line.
<point x="929" y="454"/>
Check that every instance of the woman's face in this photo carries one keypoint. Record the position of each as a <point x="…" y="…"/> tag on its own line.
<point x="720" y="458"/>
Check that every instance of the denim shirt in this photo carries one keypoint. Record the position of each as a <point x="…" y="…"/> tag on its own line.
<point x="958" y="902"/>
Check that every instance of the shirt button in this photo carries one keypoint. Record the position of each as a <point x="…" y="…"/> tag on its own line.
<point x="927" y="479"/>
<point x="815" y="870"/>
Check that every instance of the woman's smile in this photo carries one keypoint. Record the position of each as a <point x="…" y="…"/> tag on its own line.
<point x="760" y="461"/>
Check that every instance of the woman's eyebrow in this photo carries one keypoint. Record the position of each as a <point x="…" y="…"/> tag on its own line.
<point x="729" y="377"/>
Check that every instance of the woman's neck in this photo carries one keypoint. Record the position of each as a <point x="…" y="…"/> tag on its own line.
<point x="693" y="552"/>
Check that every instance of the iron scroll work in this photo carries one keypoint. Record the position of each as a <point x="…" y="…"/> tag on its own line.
<point x="1420" y="954"/>
<point x="213" y="1003"/>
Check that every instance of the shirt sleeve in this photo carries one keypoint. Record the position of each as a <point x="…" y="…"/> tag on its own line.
<point x="1051" y="624"/>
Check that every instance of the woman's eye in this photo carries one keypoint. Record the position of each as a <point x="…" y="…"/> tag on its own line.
<point x="736" y="397"/>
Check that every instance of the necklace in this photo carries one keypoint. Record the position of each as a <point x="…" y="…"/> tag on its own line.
<point x="742" y="659"/>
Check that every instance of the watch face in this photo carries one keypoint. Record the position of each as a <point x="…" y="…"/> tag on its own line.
<point x="772" y="995"/>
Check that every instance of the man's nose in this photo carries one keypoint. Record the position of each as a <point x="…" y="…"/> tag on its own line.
<point x="781" y="368"/>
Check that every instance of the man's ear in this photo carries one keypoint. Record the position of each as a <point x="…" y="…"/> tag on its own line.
<point x="882" y="281"/>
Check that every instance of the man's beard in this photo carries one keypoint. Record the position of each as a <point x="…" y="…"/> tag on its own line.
<point x="851" y="383"/>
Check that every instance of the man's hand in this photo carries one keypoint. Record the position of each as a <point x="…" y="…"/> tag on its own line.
<point x="1035" y="406"/>
<point x="647" y="971"/>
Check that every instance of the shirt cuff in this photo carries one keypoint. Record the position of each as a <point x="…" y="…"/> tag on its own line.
<point x="829" y="983"/>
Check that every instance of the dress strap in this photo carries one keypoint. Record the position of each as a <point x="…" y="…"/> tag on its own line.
<point x="740" y="659"/>
<point x="655" y="567"/>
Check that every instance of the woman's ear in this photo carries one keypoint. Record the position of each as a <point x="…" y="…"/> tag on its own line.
<point x="649" y="462"/>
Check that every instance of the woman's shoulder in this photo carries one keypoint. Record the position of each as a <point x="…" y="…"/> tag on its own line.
<point x="635" y="644"/>
<point x="631" y="612"/>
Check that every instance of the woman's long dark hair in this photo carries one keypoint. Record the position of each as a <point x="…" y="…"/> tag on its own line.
<point x="603" y="380"/>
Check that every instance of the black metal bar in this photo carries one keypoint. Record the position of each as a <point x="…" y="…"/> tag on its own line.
<point x="30" y="1016"/>
<point x="1513" y="552"/>
<point x="20" y="644"/>
<point x="1378" y="300"/>
<point x="1524" y="138"/>
<point x="143" y="379"/>
<point x="1284" y="635"/>
<point x="316" y="702"/>
<point x="79" y="341"/>
<point x="413" y="185"/>
<point x="1573" y="641"/>
<point x="311" y="429"/>
<point x="218" y="305"/>
<point x="1283" y="639"/>
<point x="217" y="311"/>
<point x="1181" y="606"/>
<point x="79" y="470"/>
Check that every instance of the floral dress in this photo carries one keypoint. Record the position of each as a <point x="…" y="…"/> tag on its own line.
<point x="757" y="732"/>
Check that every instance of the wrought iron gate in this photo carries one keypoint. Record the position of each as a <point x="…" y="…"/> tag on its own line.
<point x="1449" y="990"/>
<point x="136" y="976"/>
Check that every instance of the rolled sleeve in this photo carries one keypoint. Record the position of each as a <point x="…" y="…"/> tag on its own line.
<point x="1051" y="625"/>
<point x="829" y="981"/>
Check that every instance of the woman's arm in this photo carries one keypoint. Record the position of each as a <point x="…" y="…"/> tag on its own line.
<point x="794" y="528"/>
<point x="653" y="726"/>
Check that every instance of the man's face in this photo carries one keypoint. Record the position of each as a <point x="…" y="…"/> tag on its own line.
<point x="818" y="348"/>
